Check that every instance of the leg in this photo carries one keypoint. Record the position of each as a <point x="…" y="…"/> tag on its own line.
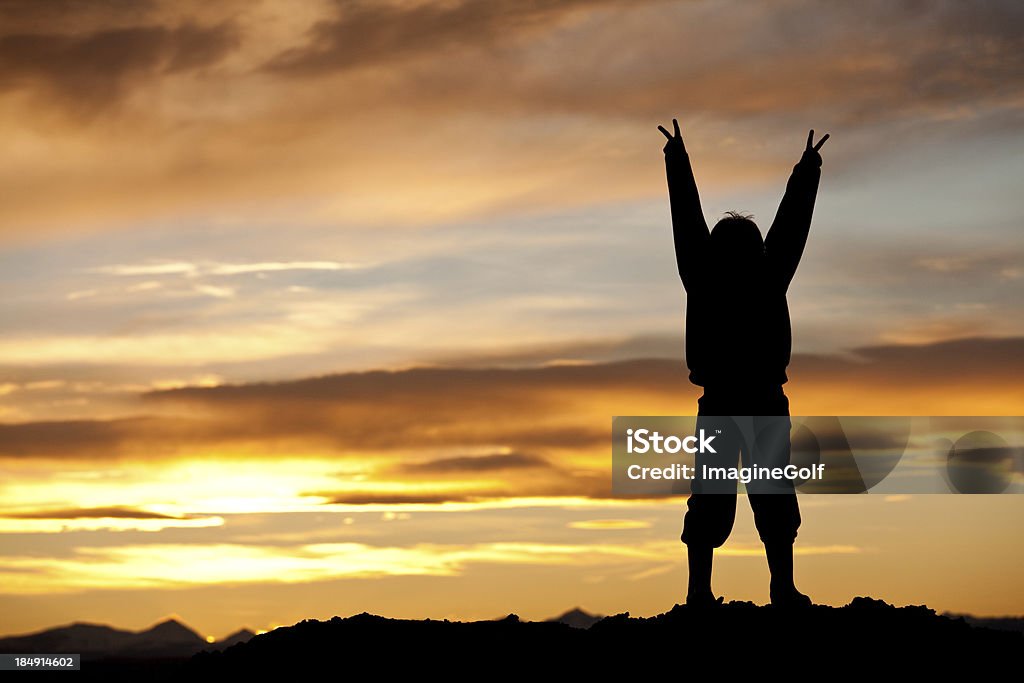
<point x="708" y="522"/>
<point x="776" y="511"/>
<point x="783" y="591"/>
<point x="710" y="512"/>
<point x="777" y="517"/>
<point x="699" y="562"/>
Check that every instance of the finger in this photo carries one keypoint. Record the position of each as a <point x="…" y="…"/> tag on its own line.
<point x="675" y="124"/>
<point x="820" y="142"/>
<point x="664" y="132"/>
<point x="810" y="138"/>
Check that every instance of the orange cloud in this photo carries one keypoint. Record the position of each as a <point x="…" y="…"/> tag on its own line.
<point x="434" y="436"/>
<point x="330" y="111"/>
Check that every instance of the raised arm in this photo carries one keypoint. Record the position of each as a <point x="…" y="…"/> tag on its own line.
<point x="689" y="230"/>
<point x="787" y="237"/>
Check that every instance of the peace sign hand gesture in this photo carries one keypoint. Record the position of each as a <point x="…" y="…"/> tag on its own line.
<point x="811" y="151"/>
<point x="675" y="142"/>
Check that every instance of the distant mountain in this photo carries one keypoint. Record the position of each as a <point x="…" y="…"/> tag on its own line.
<point x="998" y="623"/>
<point x="577" y="618"/>
<point x="168" y="639"/>
<point x="239" y="636"/>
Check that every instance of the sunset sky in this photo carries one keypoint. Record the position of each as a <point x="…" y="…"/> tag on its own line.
<point x="314" y="308"/>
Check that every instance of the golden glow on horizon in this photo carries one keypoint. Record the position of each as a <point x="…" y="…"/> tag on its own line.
<point x="154" y="566"/>
<point x="183" y="487"/>
<point x="56" y="526"/>
<point x="605" y="524"/>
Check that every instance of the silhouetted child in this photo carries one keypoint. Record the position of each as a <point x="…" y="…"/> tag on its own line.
<point x="738" y="344"/>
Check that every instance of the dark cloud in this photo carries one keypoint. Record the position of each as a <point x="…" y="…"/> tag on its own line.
<point x="959" y="357"/>
<point x="589" y="485"/>
<point x="957" y="361"/>
<point x="415" y="384"/>
<point x="475" y="463"/>
<point x="852" y="63"/>
<point x="151" y="437"/>
<point x="526" y="410"/>
<point x="66" y="438"/>
<point x="369" y="33"/>
<point x="543" y="428"/>
<point x="434" y="391"/>
<point x="830" y="434"/>
<point x="21" y="14"/>
<point x="555" y="93"/>
<point x="89" y="513"/>
<point x="643" y="346"/>
<point x="93" y="69"/>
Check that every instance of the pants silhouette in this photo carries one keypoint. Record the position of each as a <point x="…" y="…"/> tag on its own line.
<point x="711" y="508"/>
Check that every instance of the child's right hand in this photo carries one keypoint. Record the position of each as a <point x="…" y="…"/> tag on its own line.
<point x="675" y="142"/>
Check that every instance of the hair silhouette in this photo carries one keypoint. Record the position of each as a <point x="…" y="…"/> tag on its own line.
<point x="736" y="243"/>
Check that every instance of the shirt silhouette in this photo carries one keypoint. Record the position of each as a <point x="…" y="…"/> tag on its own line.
<point x="738" y="345"/>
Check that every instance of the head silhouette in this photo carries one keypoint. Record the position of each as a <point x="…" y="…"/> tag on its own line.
<point x="736" y="241"/>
